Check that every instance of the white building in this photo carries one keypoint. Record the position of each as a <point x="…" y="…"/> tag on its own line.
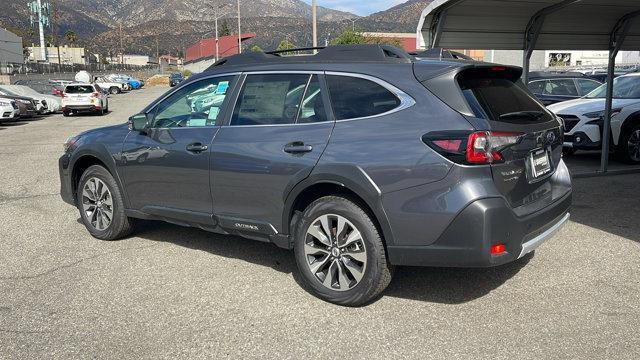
<point x="68" y="55"/>
<point x="556" y="58"/>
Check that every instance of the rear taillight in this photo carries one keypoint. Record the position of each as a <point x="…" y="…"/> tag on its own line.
<point x="63" y="95"/>
<point x="473" y="148"/>
<point x="95" y="95"/>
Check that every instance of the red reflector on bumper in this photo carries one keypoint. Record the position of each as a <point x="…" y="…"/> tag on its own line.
<point x="497" y="249"/>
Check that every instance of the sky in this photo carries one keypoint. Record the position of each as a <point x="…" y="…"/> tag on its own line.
<point x="358" y="7"/>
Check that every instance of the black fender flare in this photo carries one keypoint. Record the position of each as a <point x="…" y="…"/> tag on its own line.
<point x="100" y="152"/>
<point x="352" y="178"/>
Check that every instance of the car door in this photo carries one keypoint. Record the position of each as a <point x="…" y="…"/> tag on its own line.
<point x="586" y="86"/>
<point x="166" y="166"/>
<point x="274" y="137"/>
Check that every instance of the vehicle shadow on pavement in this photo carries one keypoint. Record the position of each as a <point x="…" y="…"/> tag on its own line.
<point x="255" y="252"/>
<point x="608" y="203"/>
<point x="451" y="285"/>
<point x="439" y="285"/>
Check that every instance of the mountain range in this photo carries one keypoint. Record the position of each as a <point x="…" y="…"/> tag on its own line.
<point x="169" y="26"/>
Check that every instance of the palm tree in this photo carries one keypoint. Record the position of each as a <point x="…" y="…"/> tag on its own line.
<point x="70" y="36"/>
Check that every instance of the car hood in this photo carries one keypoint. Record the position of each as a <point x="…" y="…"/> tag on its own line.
<point x="583" y="106"/>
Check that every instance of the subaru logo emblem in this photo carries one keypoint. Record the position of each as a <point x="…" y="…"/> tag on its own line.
<point x="551" y="137"/>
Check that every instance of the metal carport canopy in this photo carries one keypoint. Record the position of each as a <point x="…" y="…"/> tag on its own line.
<point x="535" y="25"/>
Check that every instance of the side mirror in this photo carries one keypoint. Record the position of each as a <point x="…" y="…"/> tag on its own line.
<point x="138" y="122"/>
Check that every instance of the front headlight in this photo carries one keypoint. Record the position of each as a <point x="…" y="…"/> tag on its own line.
<point x="600" y="114"/>
<point x="5" y="103"/>
<point x="71" y="140"/>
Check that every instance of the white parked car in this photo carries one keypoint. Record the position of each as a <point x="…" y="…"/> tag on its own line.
<point x="79" y="97"/>
<point x="50" y="102"/>
<point x="113" y="87"/>
<point x="584" y="119"/>
<point x="8" y="110"/>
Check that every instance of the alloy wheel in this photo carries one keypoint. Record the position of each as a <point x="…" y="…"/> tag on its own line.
<point x="97" y="203"/>
<point x="335" y="252"/>
<point x="633" y="145"/>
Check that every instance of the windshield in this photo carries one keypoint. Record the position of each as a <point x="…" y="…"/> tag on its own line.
<point x="624" y="87"/>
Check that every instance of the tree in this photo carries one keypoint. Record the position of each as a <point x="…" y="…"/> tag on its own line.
<point x="224" y="29"/>
<point x="285" y="45"/>
<point x="70" y="36"/>
<point x="255" y="48"/>
<point x="350" y="37"/>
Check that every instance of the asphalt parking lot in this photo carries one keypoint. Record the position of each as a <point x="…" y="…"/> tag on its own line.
<point x="172" y="292"/>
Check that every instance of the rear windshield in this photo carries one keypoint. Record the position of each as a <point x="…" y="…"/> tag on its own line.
<point x="79" y="89"/>
<point x="501" y="99"/>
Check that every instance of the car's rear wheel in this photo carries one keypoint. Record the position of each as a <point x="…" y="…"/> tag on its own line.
<point x="114" y="90"/>
<point x="629" y="145"/>
<point x="66" y="113"/>
<point x="340" y="253"/>
<point x="101" y="206"/>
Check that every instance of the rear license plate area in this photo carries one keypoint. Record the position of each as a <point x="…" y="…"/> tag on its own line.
<point x="539" y="164"/>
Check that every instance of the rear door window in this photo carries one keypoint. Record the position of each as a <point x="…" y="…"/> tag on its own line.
<point x="353" y="97"/>
<point x="501" y="99"/>
<point x="270" y="99"/>
<point x="537" y="87"/>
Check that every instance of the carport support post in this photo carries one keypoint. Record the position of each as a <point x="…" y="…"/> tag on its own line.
<point x="616" y="39"/>
<point x="606" y="127"/>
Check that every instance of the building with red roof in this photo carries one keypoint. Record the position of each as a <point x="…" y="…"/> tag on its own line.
<point x="206" y="48"/>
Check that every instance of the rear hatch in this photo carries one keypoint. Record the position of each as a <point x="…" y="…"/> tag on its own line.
<point x="501" y="104"/>
<point x="79" y="94"/>
<point x="523" y="139"/>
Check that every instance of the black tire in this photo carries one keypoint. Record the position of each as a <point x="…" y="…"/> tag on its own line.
<point x="567" y="151"/>
<point x="377" y="273"/>
<point x="626" y="151"/>
<point x="114" y="90"/>
<point x="66" y="113"/>
<point x="120" y="225"/>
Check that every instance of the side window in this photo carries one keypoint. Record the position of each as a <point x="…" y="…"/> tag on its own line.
<point x="353" y="97"/>
<point x="195" y="105"/>
<point x="312" y="109"/>
<point x="537" y="87"/>
<point x="586" y="86"/>
<point x="267" y="99"/>
<point x="562" y="87"/>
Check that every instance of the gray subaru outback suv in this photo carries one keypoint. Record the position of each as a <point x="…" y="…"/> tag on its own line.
<point x="358" y="158"/>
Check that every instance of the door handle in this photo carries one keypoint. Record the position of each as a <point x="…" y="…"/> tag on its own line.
<point x="197" y="148"/>
<point x="297" y="147"/>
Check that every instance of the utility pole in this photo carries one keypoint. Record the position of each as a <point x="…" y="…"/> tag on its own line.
<point x="121" y="49"/>
<point x="158" y="54"/>
<point x="40" y="13"/>
<point x="56" y="30"/>
<point x="315" y="25"/>
<point x="239" y="31"/>
<point x="217" y="48"/>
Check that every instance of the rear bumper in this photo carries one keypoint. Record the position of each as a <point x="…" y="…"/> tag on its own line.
<point x="81" y="108"/>
<point x="486" y="222"/>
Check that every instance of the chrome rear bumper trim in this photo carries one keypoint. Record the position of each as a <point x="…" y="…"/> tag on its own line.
<point x="533" y="244"/>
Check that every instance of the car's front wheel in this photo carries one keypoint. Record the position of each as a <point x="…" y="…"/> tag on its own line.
<point x="101" y="206"/>
<point x="114" y="90"/>
<point x="340" y="253"/>
<point x="629" y="145"/>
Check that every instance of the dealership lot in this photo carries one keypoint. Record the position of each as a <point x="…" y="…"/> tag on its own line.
<point x="170" y="291"/>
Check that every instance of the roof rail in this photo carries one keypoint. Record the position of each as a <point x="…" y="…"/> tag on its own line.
<point x="334" y="53"/>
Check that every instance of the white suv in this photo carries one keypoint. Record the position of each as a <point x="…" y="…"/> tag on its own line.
<point x="79" y="97"/>
<point x="584" y="119"/>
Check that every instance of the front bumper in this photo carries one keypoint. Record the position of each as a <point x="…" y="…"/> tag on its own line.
<point x="468" y="239"/>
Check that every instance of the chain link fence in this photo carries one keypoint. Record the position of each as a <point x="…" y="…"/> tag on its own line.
<point x="8" y="68"/>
